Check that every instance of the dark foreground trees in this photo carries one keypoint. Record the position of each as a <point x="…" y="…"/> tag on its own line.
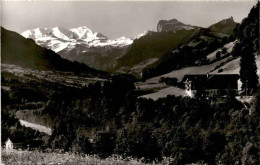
<point x="188" y="130"/>
<point x="111" y="119"/>
<point x="248" y="68"/>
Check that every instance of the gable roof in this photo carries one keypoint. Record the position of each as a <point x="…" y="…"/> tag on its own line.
<point x="8" y="140"/>
<point x="213" y="81"/>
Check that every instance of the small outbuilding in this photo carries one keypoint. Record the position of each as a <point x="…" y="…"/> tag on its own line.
<point x="9" y="146"/>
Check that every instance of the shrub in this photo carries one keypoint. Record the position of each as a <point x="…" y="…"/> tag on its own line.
<point x="220" y="70"/>
<point x="104" y="144"/>
<point x="82" y="145"/>
<point x="218" y="55"/>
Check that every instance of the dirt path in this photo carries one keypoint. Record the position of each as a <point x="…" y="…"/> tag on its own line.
<point x="37" y="127"/>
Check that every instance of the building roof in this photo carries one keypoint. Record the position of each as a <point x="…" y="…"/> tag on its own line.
<point x="212" y="81"/>
<point x="8" y="140"/>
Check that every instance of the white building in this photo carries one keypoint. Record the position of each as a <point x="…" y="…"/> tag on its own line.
<point x="211" y="85"/>
<point x="9" y="146"/>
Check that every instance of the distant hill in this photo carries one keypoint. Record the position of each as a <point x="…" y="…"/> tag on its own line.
<point x="151" y="46"/>
<point x="172" y="25"/>
<point x="99" y="57"/>
<point x="225" y="26"/>
<point x="181" y="61"/>
<point x="205" y="41"/>
<point x="18" y="50"/>
<point x="202" y="42"/>
<point x="175" y="45"/>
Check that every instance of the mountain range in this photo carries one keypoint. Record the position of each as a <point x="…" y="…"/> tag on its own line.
<point x="82" y="44"/>
<point x="175" y="45"/>
<point x="124" y="54"/>
<point x="170" y="36"/>
<point x="225" y="26"/>
<point x="23" y="52"/>
<point x="59" y="38"/>
<point x="194" y="49"/>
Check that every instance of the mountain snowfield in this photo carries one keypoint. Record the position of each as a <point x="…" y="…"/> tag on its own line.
<point x="83" y="45"/>
<point x="59" y="38"/>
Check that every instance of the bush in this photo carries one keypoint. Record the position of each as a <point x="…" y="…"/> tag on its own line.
<point x="146" y="145"/>
<point x="169" y="81"/>
<point x="218" y="55"/>
<point x="213" y="143"/>
<point x="82" y="145"/>
<point x="104" y="144"/>
<point x="224" y="50"/>
<point x="123" y="145"/>
<point x="220" y="70"/>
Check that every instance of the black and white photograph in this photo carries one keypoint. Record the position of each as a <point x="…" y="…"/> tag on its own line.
<point x="130" y="82"/>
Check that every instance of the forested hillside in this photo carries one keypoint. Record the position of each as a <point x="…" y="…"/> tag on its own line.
<point x="110" y="119"/>
<point x="18" y="50"/>
<point x="203" y="42"/>
<point x="225" y="26"/>
<point x="152" y="45"/>
<point x="249" y="27"/>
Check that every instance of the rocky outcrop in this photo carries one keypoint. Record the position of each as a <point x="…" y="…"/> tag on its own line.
<point x="225" y="26"/>
<point x="172" y="25"/>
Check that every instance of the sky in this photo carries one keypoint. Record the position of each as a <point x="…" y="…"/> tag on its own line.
<point x="118" y="18"/>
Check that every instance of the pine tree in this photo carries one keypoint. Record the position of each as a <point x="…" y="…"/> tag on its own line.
<point x="248" y="68"/>
<point x="237" y="50"/>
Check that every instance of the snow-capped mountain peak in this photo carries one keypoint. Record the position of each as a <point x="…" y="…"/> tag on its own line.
<point x="142" y="34"/>
<point x="82" y="44"/>
<point x="63" y="33"/>
<point x="83" y="33"/>
<point x="27" y="34"/>
<point x="37" y="33"/>
<point x="59" y="38"/>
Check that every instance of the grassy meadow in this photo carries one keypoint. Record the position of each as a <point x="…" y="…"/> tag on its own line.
<point x="46" y="158"/>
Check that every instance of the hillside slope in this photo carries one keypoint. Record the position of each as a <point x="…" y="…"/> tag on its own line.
<point x="18" y="50"/>
<point x="200" y="44"/>
<point x="223" y="66"/>
<point x="225" y="26"/>
<point x="174" y="45"/>
<point x="233" y="67"/>
<point x="152" y="45"/>
<point x="226" y="64"/>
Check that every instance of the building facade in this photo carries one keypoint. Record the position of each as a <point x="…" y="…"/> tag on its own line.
<point x="9" y="146"/>
<point x="210" y="85"/>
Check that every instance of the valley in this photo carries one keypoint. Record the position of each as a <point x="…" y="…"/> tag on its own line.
<point x="179" y="94"/>
<point x="68" y="79"/>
